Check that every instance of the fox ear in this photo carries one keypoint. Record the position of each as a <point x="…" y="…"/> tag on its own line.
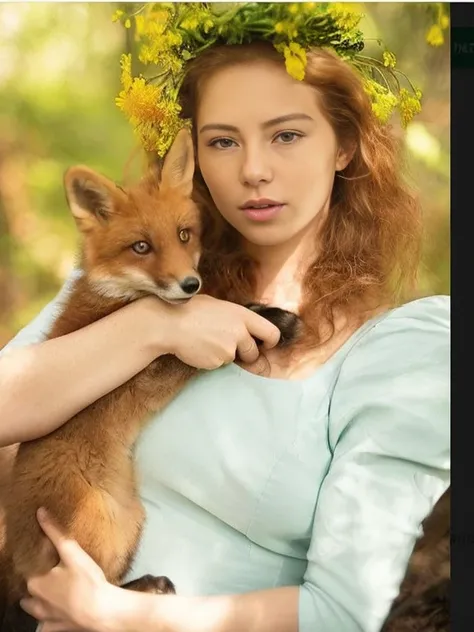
<point x="152" y="178"/>
<point x="92" y="198"/>
<point x="178" y="166"/>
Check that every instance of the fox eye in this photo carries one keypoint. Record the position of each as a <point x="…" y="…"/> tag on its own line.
<point x="141" y="247"/>
<point x="184" y="235"/>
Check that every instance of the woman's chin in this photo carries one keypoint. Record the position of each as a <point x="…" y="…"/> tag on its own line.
<point x="258" y="238"/>
<point x="269" y="236"/>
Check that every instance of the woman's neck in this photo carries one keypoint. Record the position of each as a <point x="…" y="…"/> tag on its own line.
<point x="281" y="270"/>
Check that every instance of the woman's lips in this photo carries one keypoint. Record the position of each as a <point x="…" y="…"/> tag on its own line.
<point x="263" y="214"/>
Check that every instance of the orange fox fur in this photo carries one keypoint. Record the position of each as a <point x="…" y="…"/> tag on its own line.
<point x="83" y="472"/>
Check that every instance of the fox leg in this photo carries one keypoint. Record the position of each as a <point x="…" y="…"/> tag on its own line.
<point x="150" y="584"/>
<point x="106" y="529"/>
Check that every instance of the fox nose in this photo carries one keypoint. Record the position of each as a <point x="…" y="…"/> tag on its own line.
<point x="190" y="285"/>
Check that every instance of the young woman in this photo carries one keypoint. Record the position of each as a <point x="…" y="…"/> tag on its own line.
<point x="284" y="494"/>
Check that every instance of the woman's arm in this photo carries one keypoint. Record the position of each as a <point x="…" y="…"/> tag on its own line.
<point x="43" y="383"/>
<point x="389" y="432"/>
<point x="75" y="596"/>
<point x="273" y="610"/>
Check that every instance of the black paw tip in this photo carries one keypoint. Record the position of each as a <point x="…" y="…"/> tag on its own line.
<point x="289" y="323"/>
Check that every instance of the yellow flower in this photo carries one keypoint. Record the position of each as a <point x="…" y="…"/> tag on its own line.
<point x="435" y="36"/>
<point x="117" y="15"/>
<point x="295" y="60"/>
<point x="208" y="24"/>
<point x="153" y="115"/>
<point x="346" y="15"/>
<point x="160" y="50"/>
<point x="409" y="105"/>
<point x="294" y="8"/>
<point x="126" y="74"/>
<point x="158" y="137"/>
<point x="170" y="62"/>
<point x="190" y="24"/>
<point x="287" y="28"/>
<point x="196" y="18"/>
<point x="383" y="101"/>
<point x="160" y="16"/>
<point x="389" y="59"/>
<point x="155" y="119"/>
<point x="140" y="101"/>
<point x="127" y="23"/>
<point x="152" y="24"/>
<point x="147" y="54"/>
<point x="384" y="106"/>
<point x="444" y="22"/>
<point x="140" y="25"/>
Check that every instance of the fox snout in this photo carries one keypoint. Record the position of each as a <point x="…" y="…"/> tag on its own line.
<point x="190" y="284"/>
<point x="180" y="290"/>
<point x="128" y="283"/>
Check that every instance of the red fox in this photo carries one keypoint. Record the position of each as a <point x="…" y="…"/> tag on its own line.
<point x="139" y="241"/>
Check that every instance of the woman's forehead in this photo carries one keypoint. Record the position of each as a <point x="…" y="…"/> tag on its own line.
<point x="260" y="90"/>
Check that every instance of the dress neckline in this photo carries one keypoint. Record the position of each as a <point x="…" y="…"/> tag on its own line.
<point x="321" y="369"/>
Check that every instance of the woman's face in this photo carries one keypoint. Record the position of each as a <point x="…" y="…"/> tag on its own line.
<point x="266" y="153"/>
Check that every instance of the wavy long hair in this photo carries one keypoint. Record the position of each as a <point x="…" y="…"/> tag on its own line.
<point x="370" y="242"/>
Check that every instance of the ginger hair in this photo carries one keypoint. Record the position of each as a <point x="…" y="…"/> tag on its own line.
<point x="370" y="241"/>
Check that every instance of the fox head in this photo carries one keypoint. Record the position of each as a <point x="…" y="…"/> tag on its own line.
<point x="144" y="239"/>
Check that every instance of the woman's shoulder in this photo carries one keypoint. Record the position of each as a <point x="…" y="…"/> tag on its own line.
<point x="406" y="329"/>
<point x="405" y="348"/>
<point x="398" y="371"/>
<point x="434" y="310"/>
<point x="395" y="338"/>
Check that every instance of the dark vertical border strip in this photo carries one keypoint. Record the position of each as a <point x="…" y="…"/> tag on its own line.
<point x="462" y="210"/>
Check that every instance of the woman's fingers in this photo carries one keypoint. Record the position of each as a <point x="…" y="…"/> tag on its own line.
<point x="35" y="607"/>
<point x="260" y="367"/>
<point x="68" y="550"/>
<point x="247" y="350"/>
<point x="262" y="329"/>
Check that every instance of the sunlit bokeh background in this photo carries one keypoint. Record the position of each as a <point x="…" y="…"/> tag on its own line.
<point x="59" y="75"/>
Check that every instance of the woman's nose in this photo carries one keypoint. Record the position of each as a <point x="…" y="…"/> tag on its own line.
<point x="255" y="167"/>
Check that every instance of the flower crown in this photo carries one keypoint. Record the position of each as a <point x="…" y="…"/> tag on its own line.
<point x="168" y="35"/>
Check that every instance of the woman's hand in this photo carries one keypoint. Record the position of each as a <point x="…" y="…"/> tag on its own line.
<point x="207" y="332"/>
<point x="74" y="595"/>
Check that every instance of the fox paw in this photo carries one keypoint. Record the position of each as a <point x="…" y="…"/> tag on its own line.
<point x="287" y="322"/>
<point x="151" y="584"/>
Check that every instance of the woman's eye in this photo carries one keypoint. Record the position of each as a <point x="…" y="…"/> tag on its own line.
<point x="288" y="137"/>
<point x="141" y="247"/>
<point x="222" y="143"/>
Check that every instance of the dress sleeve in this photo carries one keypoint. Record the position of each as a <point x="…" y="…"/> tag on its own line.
<point x="389" y="434"/>
<point x="37" y="330"/>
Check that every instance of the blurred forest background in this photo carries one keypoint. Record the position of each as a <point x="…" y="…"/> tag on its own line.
<point x="59" y="76"/>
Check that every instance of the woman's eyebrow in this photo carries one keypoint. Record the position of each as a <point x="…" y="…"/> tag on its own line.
<point x="272" y="122"/>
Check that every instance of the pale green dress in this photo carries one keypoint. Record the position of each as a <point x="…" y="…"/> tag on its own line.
<point x="321" y="483"/>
